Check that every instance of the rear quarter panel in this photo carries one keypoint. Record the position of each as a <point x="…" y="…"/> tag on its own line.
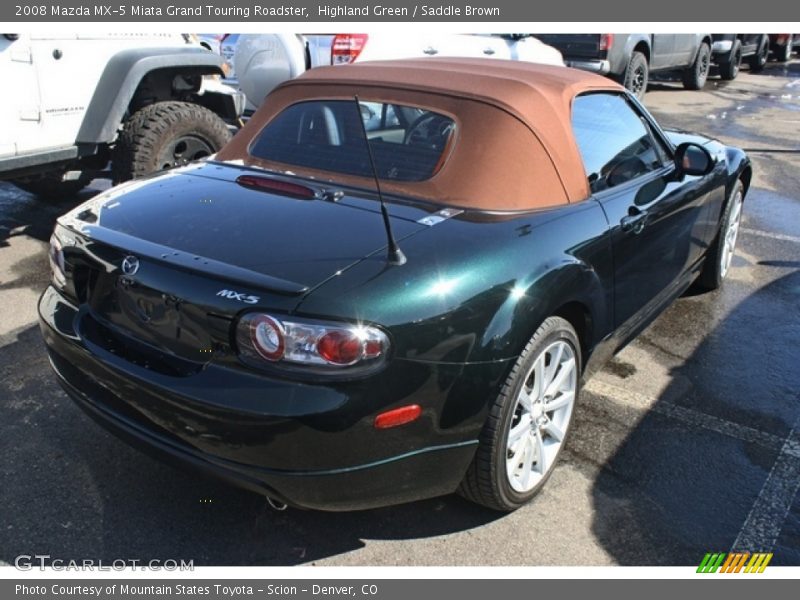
<point x="476" y="287"/>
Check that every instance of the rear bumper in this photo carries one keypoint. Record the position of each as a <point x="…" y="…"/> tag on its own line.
<point x="594" y="66"/>
<point x="310" y="446"/>
<point x="721" y="46"/>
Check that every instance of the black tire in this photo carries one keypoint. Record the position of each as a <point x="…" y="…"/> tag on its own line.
<point x="758" y="61"/>
<point x="166" y="135"/>
<point x="486" y="481"/>
<point x="636" y="75"/>
<point x="51" y="186"/>
<point x="785" y="53"/>
<point x="729" y="69"/>
<point x="694" y="77"/>
<point x="713" y="272"/>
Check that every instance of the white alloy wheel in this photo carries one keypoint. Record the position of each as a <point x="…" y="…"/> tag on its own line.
<point x="731" y="233"/>
<point x="541" y="416"/>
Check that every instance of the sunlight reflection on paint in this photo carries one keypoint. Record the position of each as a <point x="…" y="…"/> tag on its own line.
<point x="517" y="292"/>
<point x="443" y="287"/>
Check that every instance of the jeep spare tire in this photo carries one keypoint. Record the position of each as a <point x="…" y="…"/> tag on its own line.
<point x="166" y="135"/>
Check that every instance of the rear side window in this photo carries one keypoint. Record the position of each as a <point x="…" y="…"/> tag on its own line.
<point x="614" y="142"/>
<point x="408" y="143"/>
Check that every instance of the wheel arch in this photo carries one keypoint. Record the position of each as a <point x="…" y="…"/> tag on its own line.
<point x="579" y="315"/>
<point x="574" y="291"/>
<point x="122" y="80"/>
<point x="643" y="46"/>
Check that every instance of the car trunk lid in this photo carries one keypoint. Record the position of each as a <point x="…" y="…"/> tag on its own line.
<point x="169" y="263"/>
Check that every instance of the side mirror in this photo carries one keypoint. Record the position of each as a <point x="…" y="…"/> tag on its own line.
<point x="693" y="159"/>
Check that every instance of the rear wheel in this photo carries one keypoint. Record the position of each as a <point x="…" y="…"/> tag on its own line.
<point x="729" y="69"/>
<point x="528" y="422"/>
<point x="636" y="75"/>
<point x="694" y="78"/>
<point x="166" y="135"/>
<point x="720" y="255"/>
<point x="758" y="61"/>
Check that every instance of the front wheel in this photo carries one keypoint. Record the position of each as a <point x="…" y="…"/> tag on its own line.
<point x="166" y="135"/>
<point x="720" y="254"/>
<point x="528" y="422"/>
<point x="694" y="78"/>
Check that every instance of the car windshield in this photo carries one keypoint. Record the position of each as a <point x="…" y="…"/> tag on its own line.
<point x="408" y="143"/>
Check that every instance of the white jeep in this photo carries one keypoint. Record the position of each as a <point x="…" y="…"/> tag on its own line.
<point x="74" y="102"/>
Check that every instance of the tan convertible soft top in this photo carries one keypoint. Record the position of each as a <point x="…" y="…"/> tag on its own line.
<point x="514" y="148"/>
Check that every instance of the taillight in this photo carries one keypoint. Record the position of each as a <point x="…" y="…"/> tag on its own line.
<point x="294" y="343"/>
<point x="57" y="265"/>
<point x="606" y="41"/>
<point x="340" y="347"/>
<point x="346" y="47"/>
<point x="267" y="337"/>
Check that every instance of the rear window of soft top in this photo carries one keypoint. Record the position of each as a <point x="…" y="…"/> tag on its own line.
<point x="408" y="143"/>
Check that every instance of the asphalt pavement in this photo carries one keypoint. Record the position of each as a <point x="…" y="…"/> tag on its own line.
<point x="688" y="442"/>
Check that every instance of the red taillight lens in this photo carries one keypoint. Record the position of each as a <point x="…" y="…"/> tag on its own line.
<point x="267" y="337"/>
<point x="346" y="47"/>
<point x="606" y="41"/>
<point x="298" y="343"/>
<point x="267" y="184"/>
<point x="340" y="347"/>
<point x="397" y="416"/>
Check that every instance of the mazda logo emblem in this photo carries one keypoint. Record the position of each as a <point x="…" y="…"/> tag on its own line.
<point x="130" y="264"/>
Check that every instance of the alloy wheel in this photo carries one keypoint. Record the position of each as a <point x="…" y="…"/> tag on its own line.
<point x="541" y="416"/>
<point x="731" y="233"/>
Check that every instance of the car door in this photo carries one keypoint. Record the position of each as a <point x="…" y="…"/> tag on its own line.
<point x="656" y="221"/>
<point x="685" y="49"/>
<point x="662" y="51"/>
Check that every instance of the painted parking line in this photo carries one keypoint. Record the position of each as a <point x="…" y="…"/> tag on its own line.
<point x="768" y="234"/>
<point x="764" y="523"/>
<point x="696" y="418"/>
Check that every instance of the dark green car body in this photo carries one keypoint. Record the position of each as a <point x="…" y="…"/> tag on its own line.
<point x="151" y="352"/>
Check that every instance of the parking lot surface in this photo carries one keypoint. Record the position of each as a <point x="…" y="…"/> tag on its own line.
<point x="688" y="442"/>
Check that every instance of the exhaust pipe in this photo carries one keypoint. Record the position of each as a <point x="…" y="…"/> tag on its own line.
<point x="276" y="504"/>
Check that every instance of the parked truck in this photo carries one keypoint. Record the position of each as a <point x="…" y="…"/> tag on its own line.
<point x="630" y="58"/>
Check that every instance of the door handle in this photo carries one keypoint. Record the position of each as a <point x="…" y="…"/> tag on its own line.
<point x="488" y="51"/>
<point x="635" y="221"/>
<point x="430" y="51"/>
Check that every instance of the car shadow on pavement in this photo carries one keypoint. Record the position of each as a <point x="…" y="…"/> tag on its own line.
<point x="22" y="213"/>
<point x="685" y="479"/>
<point x="72" y="491"/>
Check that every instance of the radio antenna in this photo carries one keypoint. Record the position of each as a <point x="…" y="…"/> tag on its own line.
<point x="396" y="256"/>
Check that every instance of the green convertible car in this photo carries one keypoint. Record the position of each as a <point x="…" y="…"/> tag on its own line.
<point x="391" y="283"/>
